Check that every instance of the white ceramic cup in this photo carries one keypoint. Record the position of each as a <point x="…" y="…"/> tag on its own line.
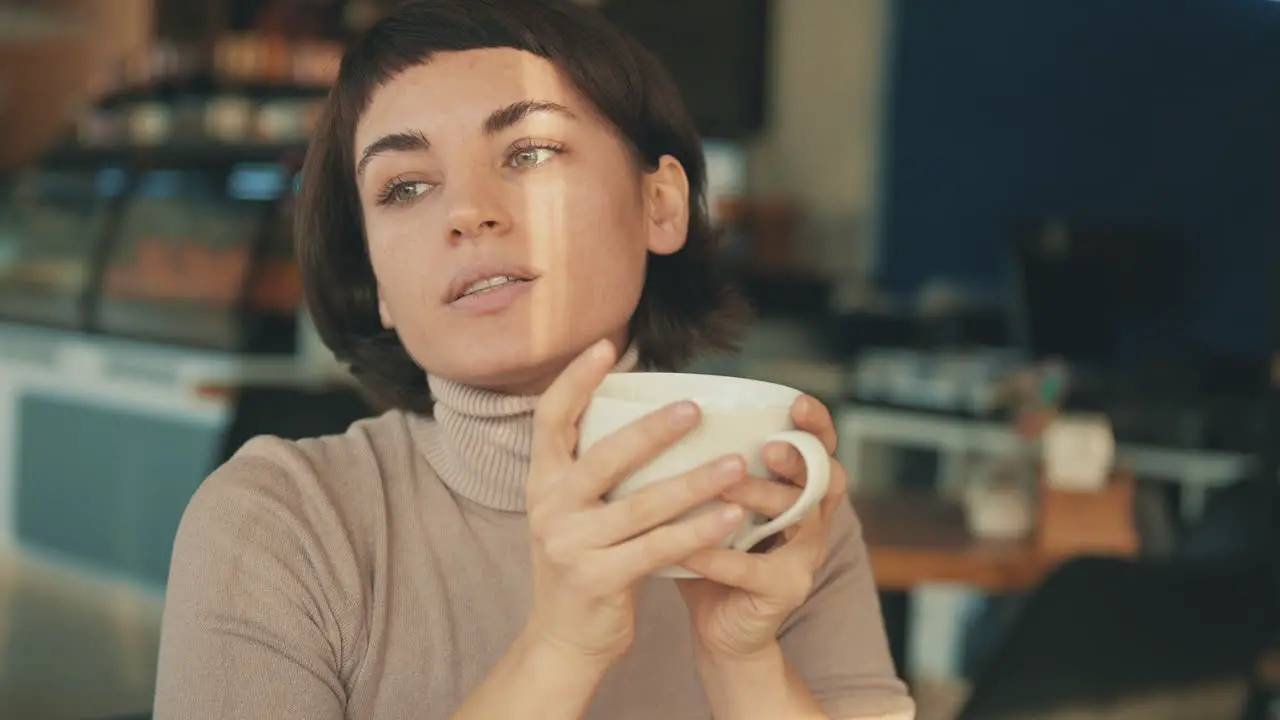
<point x="1079" y="452"/>
<point x="739" y="416"/>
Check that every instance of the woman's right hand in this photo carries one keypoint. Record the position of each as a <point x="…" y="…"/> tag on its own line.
<point x="588" y="555"/>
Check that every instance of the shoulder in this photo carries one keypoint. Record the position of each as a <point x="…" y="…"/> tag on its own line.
<point x="276" y="548"/>
<point x="316" y="496"/>
<point x="305" y="474"/>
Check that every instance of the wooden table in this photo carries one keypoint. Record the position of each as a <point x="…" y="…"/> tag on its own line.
<point x="955" y="438"/>
<point x="918" y="538"/>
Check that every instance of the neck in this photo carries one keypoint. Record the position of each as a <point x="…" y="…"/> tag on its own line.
<point x="481" y="440"/>
<point x="533" y="381"/>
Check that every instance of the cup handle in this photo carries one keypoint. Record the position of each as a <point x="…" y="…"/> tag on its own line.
<point x="818" y="466"/>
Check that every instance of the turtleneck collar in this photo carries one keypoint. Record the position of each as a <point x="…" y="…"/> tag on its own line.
<point x="480" y="441"/>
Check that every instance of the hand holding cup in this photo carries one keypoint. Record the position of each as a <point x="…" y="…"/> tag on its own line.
<point x="588" y="554"/>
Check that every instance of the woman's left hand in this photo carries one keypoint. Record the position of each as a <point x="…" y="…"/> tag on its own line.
<point x="743" y="598"/>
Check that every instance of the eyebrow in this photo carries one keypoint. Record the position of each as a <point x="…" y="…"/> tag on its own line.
<point x="408" y="141"/>
<point x="498" y="120"/>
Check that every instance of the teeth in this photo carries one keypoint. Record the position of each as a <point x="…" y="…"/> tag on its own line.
<point x="489" y="284"/>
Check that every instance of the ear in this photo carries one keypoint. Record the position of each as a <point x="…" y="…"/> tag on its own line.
<point x="384" y="312"/>
<point x="666" y="196"/>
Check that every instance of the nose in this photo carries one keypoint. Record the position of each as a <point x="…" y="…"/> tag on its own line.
<point x="476" y="210"/>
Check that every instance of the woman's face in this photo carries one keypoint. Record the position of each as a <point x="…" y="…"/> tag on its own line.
<point x="508" y="223"/>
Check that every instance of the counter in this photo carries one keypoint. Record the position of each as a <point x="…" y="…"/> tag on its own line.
<point x="102" y="442"/>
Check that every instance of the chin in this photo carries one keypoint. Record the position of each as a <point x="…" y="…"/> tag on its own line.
<point x="506" y="362"/>
<point x="520" y="351"/>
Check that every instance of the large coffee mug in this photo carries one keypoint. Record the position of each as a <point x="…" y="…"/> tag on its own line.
<point x="739" y="416"/>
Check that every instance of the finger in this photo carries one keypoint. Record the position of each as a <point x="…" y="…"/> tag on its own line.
<point x="812" y="416"/>
<point x="556" y="416"/>
<point x="623" y="564"/>
<point x="756" y="574"/>
<point x="660" y="502"/>
<point x="774" y="582"/>
<point x="807" y="545"/>
<point x="837" y="490"/>
<point x="625" y="451"/>
<point x="783" y="460"/>
<point x="767" y="497"/>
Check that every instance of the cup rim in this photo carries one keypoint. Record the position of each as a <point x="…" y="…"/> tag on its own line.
<point x="786" y="395"/>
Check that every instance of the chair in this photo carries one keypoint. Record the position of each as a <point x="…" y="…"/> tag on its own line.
<point x="1099" y="631"/>
<point x="1264" y="695"/>
<point x="292" y="413"/>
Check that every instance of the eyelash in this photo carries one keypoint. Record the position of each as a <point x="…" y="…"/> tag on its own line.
<point x="524" y="146"/>
<point x="388" y="194"/>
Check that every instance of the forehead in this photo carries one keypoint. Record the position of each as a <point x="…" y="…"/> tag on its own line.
<point x="459" y="89"/>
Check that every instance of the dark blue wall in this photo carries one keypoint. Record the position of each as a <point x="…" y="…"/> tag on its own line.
<point x="1167" y="110"/>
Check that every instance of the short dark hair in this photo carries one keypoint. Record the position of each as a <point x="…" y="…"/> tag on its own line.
<point x="686" y="306"/>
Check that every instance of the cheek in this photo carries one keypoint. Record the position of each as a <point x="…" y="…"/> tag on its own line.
<point x="574" y="219"/>
<point x="592" y="235"/>
<point x="399" y="263"/>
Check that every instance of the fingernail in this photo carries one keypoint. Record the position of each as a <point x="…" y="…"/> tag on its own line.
<point x="731" y="514"/>
<point x="725" y="468"/>
<point x="601" y="350"/>
<point x="682" y="413"/>
<point x="775" y="453"/>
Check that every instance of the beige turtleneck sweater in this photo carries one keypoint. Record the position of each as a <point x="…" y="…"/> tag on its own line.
<point x="382" y="573"/>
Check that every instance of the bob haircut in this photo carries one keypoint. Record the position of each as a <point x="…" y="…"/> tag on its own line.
<point x="686" y="307"/>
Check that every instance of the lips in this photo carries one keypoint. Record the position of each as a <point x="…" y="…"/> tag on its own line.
<point x="484" y="278"/>
<point x="488" y="284"/>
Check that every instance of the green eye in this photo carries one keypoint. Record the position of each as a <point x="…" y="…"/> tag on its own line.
<point x="404" y="193"/>
<point x="532" y="157"/>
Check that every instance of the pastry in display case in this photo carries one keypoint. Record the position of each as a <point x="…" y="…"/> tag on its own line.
<point x="53" y="221"/>
<point x="275" y="289"/>
<point x="202" y="259"/>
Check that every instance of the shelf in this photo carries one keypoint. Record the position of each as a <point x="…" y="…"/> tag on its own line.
<point x="180" y="153"/>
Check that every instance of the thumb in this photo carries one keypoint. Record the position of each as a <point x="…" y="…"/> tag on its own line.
<point x="556" y="416"/>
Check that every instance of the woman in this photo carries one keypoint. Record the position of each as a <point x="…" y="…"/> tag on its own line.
<point x="500" y="195"/>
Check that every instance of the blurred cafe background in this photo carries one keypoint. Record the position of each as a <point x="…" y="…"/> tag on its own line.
<point x="1027" y="250"/>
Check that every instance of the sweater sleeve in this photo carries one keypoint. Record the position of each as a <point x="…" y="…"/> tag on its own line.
<point x="255" y="615"/>
<point x="836" y="640"/>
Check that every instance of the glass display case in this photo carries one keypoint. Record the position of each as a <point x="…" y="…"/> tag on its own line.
<point x="53" y="221"/>
<point x="202" y="258"/>
<point x="167" y="218"/>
